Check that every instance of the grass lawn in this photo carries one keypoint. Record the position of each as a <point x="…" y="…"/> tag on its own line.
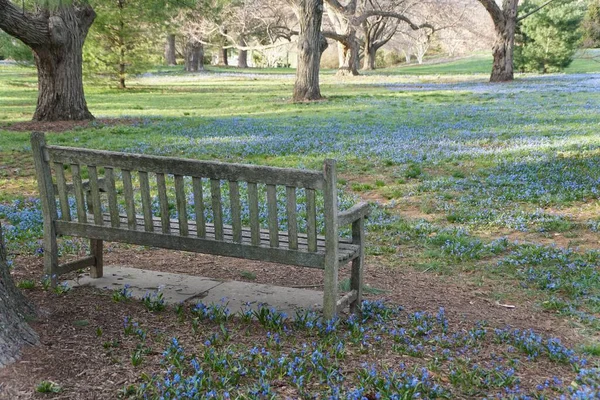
<point x="483" y="190"/>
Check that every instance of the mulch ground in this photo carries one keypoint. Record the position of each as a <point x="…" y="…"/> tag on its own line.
<point x="65" y="126"/>
<point x="72" y="350"/>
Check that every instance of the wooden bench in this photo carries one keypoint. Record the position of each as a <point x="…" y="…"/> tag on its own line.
<point x="245" y="211"/>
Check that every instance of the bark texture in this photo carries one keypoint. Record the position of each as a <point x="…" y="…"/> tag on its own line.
<point x="170" y="56"/>
<point x="505" y="24"/>
<point x="194" y="56"/>
<point x="243" y="54"/>
<point x="311" y="45"/>
<point x="14" y="330"/>
<point x="56" y="38"/>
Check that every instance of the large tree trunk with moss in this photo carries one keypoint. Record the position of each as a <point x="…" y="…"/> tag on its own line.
<point x="14" y="330"/>
<point x="311" y="45"/>
<point x="56" y="37"/>
<point x="505" y="24"/>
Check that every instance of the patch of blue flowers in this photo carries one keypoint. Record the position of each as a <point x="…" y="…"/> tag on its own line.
<point x="571" y="278"/>
<point x="395" y="355"/>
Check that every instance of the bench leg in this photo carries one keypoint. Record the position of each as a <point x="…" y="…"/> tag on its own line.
<point x="50" y="254"/>
<point x="330" y="296"/>
<point x="96" y="271"/>
<point x="356" y="277"/>
<point x="356" y="283"/>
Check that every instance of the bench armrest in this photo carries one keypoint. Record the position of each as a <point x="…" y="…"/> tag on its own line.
<point x="355" y="213"/>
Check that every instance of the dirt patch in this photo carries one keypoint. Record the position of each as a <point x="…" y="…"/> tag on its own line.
<point x="65" y="126"/>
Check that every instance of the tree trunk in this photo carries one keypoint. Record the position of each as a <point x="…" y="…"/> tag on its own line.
<point x="56" y="37"/>
<point x="505" y="24"/>
<point x="243" y="54"/>
<point x="170" y="57"/>
<point x="502" y="70"/>
<point x="14" y="330"/>
<point x="370" y="57"/>
<point x="194" y="56"/>
<point x="122" y="62"/>
<point x="351" y="60"/>
<point x="311" y="45"/>
<point x="224" y="59"/>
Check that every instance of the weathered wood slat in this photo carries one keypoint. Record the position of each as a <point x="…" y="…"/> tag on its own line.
<point x="111" y="190"/>
<point x="290" y="194"/>
<point x="199" y="206"/>
<point x="330" y="213"/>
<point x="48" y="203"/>
<point x="253" y="210"/>
<point x="272" y="215"/>
<point x="129" y="199"/>
<point x="163" y="201"/>
<point x="311" y="219"/>
<point x="356" y="277"/>
<point x="146" y="201"/>
<point x="236" y="215"/>
<point x="347" y="249"/>
<point x="79" y="195"/>
<point x="187" y="167"/>
<point x="77" y="264"/>
<point x="95" y="195"/>
<point x="181" y="203"/>
<point x="63" y="194"/>
<point x="193" y="244"/>
<point x="217" y="207"/>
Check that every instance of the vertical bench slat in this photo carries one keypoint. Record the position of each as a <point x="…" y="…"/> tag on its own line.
<point x="79" y="196"/>
<point x="311" y="220"/>
<point x="215" y="193"/>
<point x="253" y="208"/>
<point x="129" y="200"/>
<point x="109" y="176"/>
<point x="164" y="202"/>
<point x="63" y="194"/>
<point x="95" y="193"/>
<point x="181" y="205"/>
<point x="290" y="193"/>
<point x="48" y="203"/>
<point x="272" y="215"/>
<point x="236" y="215"/>
<point x="146" y="202"/>
<point x="330" y="213"/>
<point x="199" y="207"/>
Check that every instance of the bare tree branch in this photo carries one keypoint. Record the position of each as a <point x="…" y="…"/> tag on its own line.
<point x="391" y="14"/>
<point x="534" y="10"/>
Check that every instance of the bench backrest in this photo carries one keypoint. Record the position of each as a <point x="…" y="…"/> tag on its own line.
<point x="218" y="200"/>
